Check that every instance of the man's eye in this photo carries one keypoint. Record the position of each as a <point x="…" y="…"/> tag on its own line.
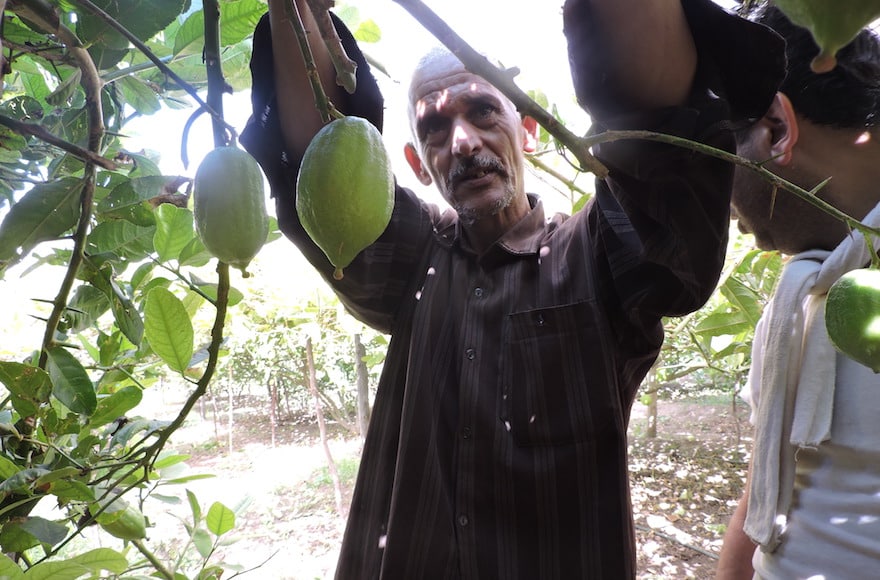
<point x="484" y="111"/>
<point x="433" y="127"/>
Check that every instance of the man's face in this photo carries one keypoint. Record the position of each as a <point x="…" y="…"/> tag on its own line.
<point x="469" y="137"/>
<point x="778" y="219"/>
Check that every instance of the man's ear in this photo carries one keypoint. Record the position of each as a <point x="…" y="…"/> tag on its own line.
<point x="415" y="163"/>
<point x="530" y="140"/>
<point x="783" y="127"/>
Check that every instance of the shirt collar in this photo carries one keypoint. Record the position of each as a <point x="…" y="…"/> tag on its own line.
<point x="522" y="239"/>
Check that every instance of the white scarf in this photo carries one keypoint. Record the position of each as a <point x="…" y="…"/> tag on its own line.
<point x="794" y="368"/>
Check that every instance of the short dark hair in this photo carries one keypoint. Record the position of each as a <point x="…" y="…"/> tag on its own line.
<point x="846" y="97"/>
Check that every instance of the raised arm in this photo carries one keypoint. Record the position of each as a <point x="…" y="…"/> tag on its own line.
<point x="296" y="101"/>
<point x="646" y="54"/>
<point x="651" y="58"/>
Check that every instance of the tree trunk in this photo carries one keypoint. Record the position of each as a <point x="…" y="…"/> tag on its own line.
<point x="331" y="465"/>
<point x="273" y="405"/>
<point x="363" y="386"/>
<point x="230" y="419"/>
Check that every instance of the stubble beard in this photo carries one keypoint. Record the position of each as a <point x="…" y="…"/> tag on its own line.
<point x="469" y="215"/>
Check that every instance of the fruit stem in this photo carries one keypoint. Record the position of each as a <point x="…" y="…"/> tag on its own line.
<point x="325" y="108"/>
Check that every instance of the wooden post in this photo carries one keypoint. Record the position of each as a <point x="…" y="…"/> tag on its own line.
<point x="322" y="428"/>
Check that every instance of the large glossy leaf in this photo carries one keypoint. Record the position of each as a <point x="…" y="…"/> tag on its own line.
<point x="143" y="18"/>
<point x="29" y="386"/>
<point x="44" y="213"/>
<point x="123" y="239"/>
<point x="237" y="22"/>
<point x="174" y="230"/>
<point x="168" y="328"/>
<point x="723" y="323"/>
<point x="71" y="383"/>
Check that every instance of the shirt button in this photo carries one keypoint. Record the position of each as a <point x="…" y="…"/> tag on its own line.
<point x="470" y="353"/>
<point x="463" y="520"/>
<point x="466" y="433"/>
<point x="478" y="292"/>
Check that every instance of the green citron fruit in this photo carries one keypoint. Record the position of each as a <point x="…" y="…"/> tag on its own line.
<point x="852" y="316"/>
<point x="833" y="24"/>
<point x="345" y="189"/>
<point x="126" y="523"/>
<point x="230" y="206"/>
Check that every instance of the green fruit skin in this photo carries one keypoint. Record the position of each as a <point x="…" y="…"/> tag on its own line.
<point x="345" y="189"/>
<point x="852" y="316"/>
<point x="126" y="524"/>
<point x="833" y="23"/>
<point x="230" y="207"/>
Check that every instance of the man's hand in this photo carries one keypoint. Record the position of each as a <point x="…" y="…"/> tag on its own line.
<point x="300" y="119"/>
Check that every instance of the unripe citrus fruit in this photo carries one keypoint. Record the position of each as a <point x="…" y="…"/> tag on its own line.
<point x="230" y="207"/>
<point x="345" y="189"/>
<point x="852" y="316"/>
<point x="126" y="523"/>
<point x="833" y="24"/>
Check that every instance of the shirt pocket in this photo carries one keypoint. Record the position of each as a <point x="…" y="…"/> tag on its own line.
<point x="557" y="387"/>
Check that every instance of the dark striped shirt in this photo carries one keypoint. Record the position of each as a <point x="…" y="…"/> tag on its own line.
<point x="497" y="444"/>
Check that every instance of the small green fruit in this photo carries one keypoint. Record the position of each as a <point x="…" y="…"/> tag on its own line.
<point x="230" y="207"/>
<point x="833" y="24"/>
<point x="852" y="316"/>
<point x="345" y="189"/>
<point x="127" y="523"/>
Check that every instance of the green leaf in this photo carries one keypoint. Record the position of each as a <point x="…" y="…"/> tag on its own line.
<point x="9" y="570"/>
<point x="143" y="18"/>
<point x="116" y="405"/>
<point x="368" y="31"/>
<point x="123" y="239"/>
<point x="72" y="385"/>
<point x="46" y="531"/>
<point x="203" y="542"/>
<point x="722" y="324"/>
<point x="194" y="507"/>
<point x="743" y="298"/>
<point x="220" y="519"/>
<point x="102" y="559"/>
<point x="14" y="538"/>
<point x="85" y="307"/>
<point x="139" y="95"/>
<point x="194" y="254"/>
<point x="44" y="213"/>
<point x="7" y="468"/>
<point x="29" y="386"/>
<point x="238" y="20"/>
<point x="168" y="328"/>
<point x="64" y="570"/>
<point x="174" y="230"/>
<point x="127" y="200"/>
<point x="73" y="490"/>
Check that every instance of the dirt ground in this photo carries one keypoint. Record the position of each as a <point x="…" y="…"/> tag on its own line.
<point x="685" y="484"/>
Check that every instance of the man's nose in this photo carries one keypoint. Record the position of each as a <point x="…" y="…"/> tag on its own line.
<point x="465" y="141"/>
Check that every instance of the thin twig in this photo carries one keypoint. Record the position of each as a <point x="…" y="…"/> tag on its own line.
<point x="322" y="103"/>
<point x="346" y="68"/>
<point x="808" y="196"/>
<point x="38" y="131"/>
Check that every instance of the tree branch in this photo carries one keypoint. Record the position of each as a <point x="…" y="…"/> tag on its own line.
<point x="503" y="81"/>
<point x="38" y="131"/>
